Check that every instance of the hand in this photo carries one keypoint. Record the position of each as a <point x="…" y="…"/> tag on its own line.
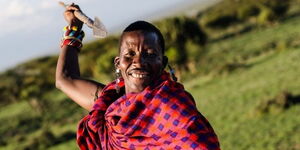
<point x="71" y="18"/>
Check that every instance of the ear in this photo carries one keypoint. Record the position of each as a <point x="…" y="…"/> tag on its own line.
<point x="117" y="62"/>
<point x="165" y="61"/>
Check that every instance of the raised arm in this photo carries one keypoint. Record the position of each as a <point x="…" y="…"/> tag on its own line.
<point x="80" y="90"/>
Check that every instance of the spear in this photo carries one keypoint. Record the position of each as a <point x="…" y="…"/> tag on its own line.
<point x="99" y="30"/>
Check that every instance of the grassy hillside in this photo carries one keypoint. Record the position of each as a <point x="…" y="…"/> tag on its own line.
<point x="232" y="102"/>
<point x="244" y="76"/>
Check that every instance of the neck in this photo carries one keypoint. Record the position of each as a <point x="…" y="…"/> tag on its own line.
<point x="133" y="90"/>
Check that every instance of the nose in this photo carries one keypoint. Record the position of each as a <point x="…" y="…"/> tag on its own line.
<point x="138" y="60"/>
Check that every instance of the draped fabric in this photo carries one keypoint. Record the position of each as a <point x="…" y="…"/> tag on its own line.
<point x="162" y="117"/>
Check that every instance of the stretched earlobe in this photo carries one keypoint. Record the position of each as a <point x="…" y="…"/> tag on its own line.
<point x="118" y="76"/>
<point x="117" y="62"/>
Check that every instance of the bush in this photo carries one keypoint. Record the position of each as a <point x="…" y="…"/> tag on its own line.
<point x="178" y="32"/>
<point x="236" y="11"/>
<point x="281" y="102"/>
<point x="246" y="11"/>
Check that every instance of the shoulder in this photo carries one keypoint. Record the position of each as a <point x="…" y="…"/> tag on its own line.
<point x="175" y="93"/>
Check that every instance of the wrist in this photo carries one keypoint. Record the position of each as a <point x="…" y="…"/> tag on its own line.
<point x="73" y="36"/>
<point x="76" y="23"/>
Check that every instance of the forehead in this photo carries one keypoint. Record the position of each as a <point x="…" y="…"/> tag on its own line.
<point x="135" y="38"/>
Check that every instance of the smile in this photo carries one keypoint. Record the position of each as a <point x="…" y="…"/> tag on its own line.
<point x="136" y="75"/>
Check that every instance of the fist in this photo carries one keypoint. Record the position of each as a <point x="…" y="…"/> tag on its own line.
<point x="71" y="18"/>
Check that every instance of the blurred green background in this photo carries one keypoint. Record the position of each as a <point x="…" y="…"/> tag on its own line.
<point x="240" y="59"/>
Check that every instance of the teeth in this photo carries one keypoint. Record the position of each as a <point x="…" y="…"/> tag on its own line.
<point x="138" y="75"/>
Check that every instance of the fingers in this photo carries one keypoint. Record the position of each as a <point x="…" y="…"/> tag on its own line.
<point x="70" y="17"/>
<point x="72" y="7"/>
<point x="69" y="12"/>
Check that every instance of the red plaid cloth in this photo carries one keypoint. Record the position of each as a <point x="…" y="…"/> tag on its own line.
<point x="163" y="116"/>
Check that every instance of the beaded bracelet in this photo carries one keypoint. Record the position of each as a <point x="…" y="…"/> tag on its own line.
<point x="72" y="37"/>
<point x="73" y="43"/>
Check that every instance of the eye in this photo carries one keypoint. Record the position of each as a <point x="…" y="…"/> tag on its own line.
<point x="151" y="53"/>
<point x="129" y="53"/>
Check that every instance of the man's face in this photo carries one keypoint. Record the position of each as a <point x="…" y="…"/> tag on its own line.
<point x="140" y="60"/>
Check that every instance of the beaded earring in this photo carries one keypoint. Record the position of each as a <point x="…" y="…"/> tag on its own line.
<point x="118" y="75"/>
<point x="172" y="71"/>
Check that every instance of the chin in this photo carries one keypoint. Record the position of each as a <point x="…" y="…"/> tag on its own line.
<point x="137" y="85"/>
<point x="142" y="85"/>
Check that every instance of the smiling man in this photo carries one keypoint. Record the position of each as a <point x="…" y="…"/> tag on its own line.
<point x="143" y="108"/>
<point x="141" y="59"/>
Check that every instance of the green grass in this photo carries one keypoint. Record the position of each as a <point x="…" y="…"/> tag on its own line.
<point x="64" y="146"/>
<point x="230" y="102"/>
<point x="257" y="42"/>
<point x="22" y="126"/>
<point x="14" y="110"/>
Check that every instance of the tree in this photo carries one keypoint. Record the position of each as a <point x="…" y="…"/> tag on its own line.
<point x="178" y="31"/>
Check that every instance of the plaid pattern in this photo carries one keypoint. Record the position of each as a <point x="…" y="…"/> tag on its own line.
<point x="162" y="117"/>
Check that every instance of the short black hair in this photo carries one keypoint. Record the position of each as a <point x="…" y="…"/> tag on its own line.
<point x="148" y="27"/>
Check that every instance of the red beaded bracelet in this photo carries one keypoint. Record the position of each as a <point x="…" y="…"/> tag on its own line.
<point x="71" y="42"/>
<point x="72" y="37"/>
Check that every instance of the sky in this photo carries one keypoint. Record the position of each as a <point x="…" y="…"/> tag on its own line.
<point x="33" y="28"/>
